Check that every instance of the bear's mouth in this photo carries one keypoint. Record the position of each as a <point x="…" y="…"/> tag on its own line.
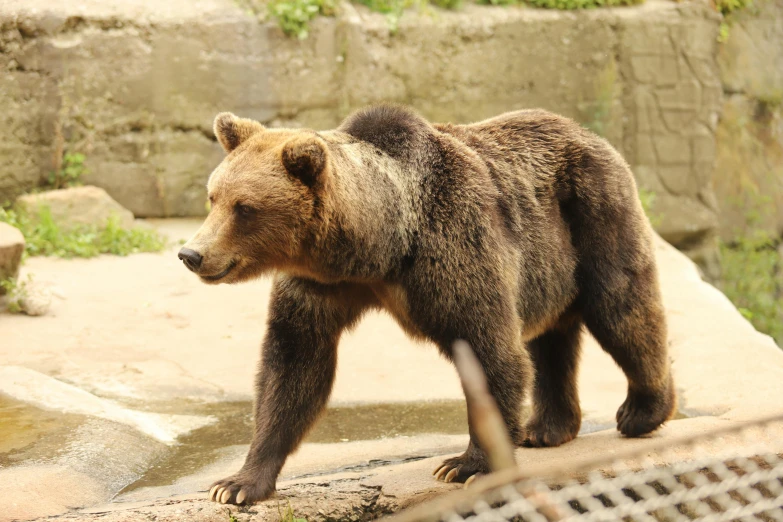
<point x="222" y="274"/>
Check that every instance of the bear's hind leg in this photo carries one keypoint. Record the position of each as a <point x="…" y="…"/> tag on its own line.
<point x="556" y="414"/>
<point x="629" y="324"/>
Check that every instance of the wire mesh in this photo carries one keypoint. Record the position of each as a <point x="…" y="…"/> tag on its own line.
<point x="731" y="474"/>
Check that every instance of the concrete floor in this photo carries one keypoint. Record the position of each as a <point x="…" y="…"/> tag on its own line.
<point x="136" y="353"/>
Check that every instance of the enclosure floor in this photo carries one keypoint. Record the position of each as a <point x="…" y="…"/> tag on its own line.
<point x="141" y="333"/>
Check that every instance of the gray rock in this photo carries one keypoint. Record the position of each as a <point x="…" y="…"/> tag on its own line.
<point x="36" y="298"/>
<point x="11" y="250"/>
<point x="77" y="206"/>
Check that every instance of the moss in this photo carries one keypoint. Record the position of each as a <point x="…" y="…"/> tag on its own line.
<point x="294" y="16"/>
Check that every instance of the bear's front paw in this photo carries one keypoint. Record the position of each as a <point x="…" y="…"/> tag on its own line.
<point x="464" y="468"/>
<point x="242" y="488"/>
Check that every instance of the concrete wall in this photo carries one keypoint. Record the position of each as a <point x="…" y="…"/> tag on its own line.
<point x="749" y="174"/>
<point x="135" y="88"/>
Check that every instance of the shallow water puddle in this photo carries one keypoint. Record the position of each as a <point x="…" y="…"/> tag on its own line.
<point x="126" y="460"/>
<point x="22" y="426"/>
<point x="375" y="421"/>
<point x="339" y="424"/>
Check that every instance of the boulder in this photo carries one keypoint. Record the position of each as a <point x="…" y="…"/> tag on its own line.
<point x="11" y="249"/>
<point x="77" y="206"/>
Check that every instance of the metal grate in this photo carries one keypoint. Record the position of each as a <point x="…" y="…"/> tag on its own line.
<point x="734" y="474"/>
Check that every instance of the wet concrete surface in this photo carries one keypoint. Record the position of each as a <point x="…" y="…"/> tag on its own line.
<point x="121" y="460"/>
<point x="340" y="424"/>
<point x="124" y="461"/>
<point x="24" y="426"/>
<point x="129" y="465"/>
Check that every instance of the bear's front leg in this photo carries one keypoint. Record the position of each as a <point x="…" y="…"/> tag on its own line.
<point x="298" y="362"/>
<point x="506" y="365"/>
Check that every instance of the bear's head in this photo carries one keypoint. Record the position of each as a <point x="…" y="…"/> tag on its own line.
<point x="263" y="199"/>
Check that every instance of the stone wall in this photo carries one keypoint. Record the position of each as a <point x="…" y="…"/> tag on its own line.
<point x="671" y="105"/>
<point x="135" y="88"/>
<point x="749" y="174"/>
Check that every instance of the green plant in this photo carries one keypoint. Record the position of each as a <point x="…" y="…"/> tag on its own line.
<point x="70" y="172"/>
<point x="647" y="197"/>
<point x="15" y="292"/>
<point x="723" y="32"/>
<point x="44" y="237"/>
<point x="448" y="4"/>
<point x="294" y="16"/>
<point x="752" y="273"/>
<point x="288" y="514"/>
<point x="726" y="7"/>
<point x="231" y="517"/>
<point x="392" y="9"/>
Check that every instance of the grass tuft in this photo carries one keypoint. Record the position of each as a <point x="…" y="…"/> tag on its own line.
<point x="294" y="16"/>
<point x="15" y="292"/>
<point x="287" y="515"/>
<point x="44" y="237"/>
<point x="752" y="273"/>
<point x="70" y="172"/>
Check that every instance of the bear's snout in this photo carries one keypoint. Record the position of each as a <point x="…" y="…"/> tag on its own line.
<point x="191" y="258"/>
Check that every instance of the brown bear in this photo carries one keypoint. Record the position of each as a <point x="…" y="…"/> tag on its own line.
<point x="510" y="233"/>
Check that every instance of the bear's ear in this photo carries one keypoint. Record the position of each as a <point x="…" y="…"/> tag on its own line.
<point x="305" y="158"/>
<point x="232" y="131"/>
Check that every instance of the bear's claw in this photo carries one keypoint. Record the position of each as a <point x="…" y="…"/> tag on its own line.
<point x="223" y="494"/>
<point x="461" y="469"/>
<point x="472" y="478"/>
<point x="240" y="489"/>
<point x="447" y="473"/>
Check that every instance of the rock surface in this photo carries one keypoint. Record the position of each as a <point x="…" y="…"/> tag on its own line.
<point x="133" y="87"/>
<point x="142" y="331"/>
<point x="76" y="207"/>
<point x="749" y="172"/>
<point x="11" y="250"/>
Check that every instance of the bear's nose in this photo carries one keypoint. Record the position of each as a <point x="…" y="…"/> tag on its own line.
<point x="191" y="258"/>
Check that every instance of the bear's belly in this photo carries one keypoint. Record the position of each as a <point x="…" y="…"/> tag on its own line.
<point x="394" y="300"/>
<point x="532" y="330"/>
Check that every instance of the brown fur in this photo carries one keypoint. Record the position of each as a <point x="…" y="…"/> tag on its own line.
<point x="510" y="233"/>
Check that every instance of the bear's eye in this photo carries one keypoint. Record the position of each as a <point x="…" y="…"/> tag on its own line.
<point x="243" y="210"/>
